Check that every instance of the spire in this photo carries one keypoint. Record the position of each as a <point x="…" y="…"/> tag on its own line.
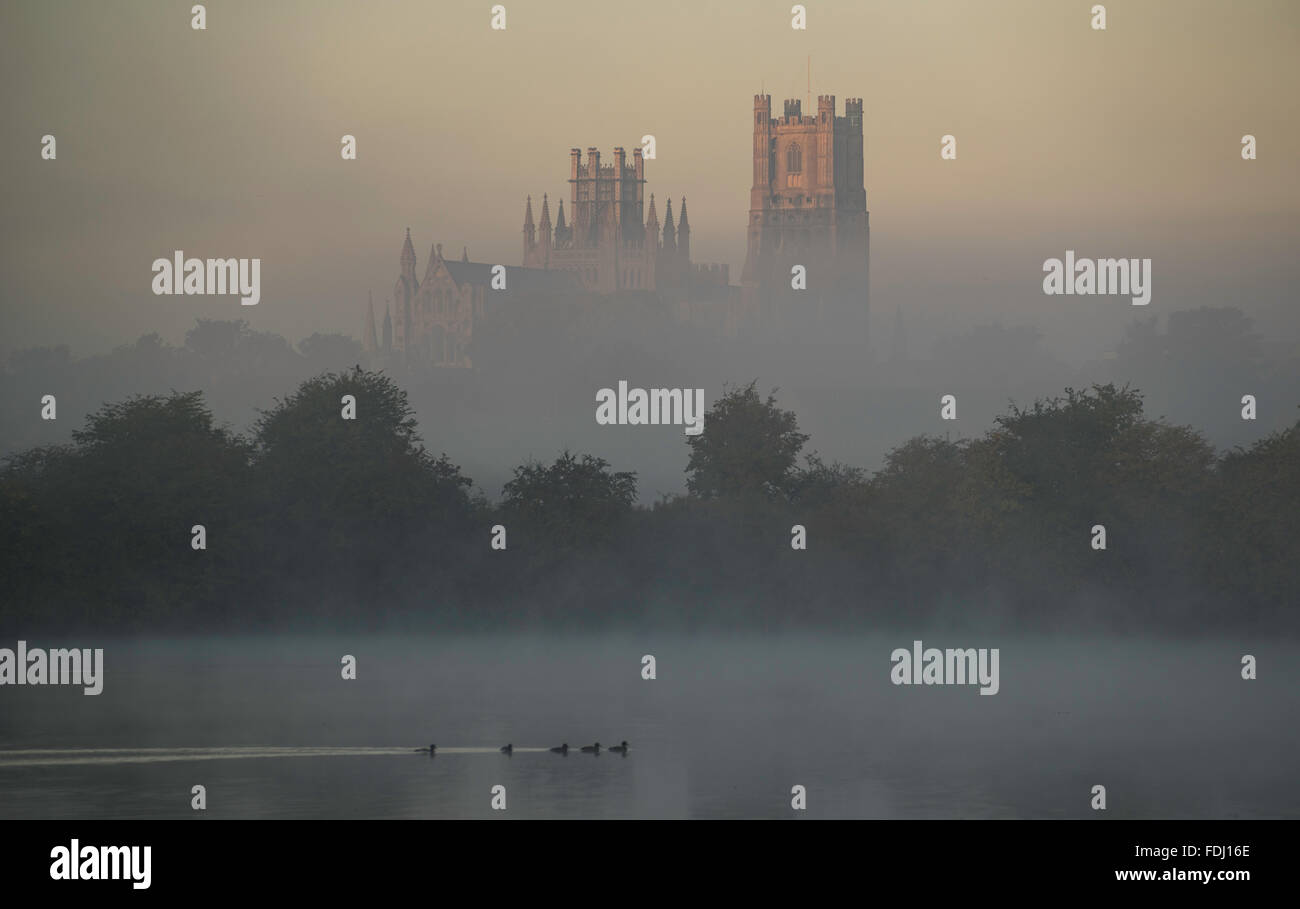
<point x="408" y="254"/>
<point x="434" y="256"/>
<point x="546" y="232"/>
<point x="388" y="329"/>
<point x="530" y="231"/>
<point x="684" y="234"/>
<point x="464" y="254"/>
<point x="670" y="238"/>
<point x="559" y="219"/>
<point x="652" y="219"/>
<point x="370" y="345"/>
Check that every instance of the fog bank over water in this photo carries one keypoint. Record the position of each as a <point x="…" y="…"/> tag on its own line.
<point x="728" y="726"/>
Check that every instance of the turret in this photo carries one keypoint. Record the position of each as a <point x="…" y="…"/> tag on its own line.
<point x="762" y="150"/>
<point x="670" y="235"/>
<point x="684" y="235"/>
<point x="407" y="258"/>
<point x="561" y="229"/>
<point x="620" y="159"/>
<point x="435" y="253"/>
<point x="403" y="293"/>
<point x="545" y="227"/>
<point x="371" y="346"/>
<point x="530" y="230"/>
<point x="853" y="160"/>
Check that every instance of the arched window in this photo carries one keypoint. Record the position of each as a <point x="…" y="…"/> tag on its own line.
<point x="793" y="159"/>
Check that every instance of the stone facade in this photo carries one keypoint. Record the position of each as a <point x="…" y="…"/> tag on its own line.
<point x="434" y="318"/>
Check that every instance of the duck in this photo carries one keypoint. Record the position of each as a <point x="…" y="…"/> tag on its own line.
<point x="591" y="749"/>
<point x="431" y="749"/>
<point x="621" y="749"/>
<point x="507" y="749"/>
<point x="561" y="749"/>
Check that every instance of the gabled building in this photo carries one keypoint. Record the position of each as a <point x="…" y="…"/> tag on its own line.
<point x="436" y="316"/>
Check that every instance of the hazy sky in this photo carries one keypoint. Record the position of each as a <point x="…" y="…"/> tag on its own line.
<point x="225" y="142"/>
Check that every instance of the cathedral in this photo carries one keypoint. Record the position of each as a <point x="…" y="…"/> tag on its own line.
<point x="807" y="213"/>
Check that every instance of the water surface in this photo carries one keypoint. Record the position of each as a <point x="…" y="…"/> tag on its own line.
<point x="730" y="724"/>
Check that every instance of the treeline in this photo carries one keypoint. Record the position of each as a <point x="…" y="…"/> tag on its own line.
<point x="229" y="359"/>
<point x="154" y="517"/>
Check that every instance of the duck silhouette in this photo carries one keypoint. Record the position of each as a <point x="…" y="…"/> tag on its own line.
<point x="507" y="749"/>
<point x="561" y="749"/>
<point x="591" y="749"/>
<point x="431" y="749"/>
<point x="621" y="749"/>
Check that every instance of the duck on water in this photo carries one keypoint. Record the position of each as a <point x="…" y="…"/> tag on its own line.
<point x="558" y="749"/>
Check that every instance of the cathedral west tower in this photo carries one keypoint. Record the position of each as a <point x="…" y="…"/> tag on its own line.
<point x="807" y="206"/>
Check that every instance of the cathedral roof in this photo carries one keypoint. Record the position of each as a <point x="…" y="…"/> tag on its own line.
<point x="518" y="279"/>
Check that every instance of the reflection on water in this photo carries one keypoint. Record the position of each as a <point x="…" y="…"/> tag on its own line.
<point x="730" y="724"/>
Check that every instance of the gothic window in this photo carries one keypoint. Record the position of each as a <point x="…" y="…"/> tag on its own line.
<point x="793" y="159"/>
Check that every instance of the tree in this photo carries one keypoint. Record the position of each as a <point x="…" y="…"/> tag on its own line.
<point x="1256" y="523"/>
<point x="359" y="502"/>
<point x="920" y="517"/>
<point x="1057" y="469"/>
<point x="748" y="448"/>
<point x="233" y="348"/>
<point x="114" y="510"/>
<point x="332" y="351"/>
<point x="819" y="484"/>
<point x="573" y="502"/>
